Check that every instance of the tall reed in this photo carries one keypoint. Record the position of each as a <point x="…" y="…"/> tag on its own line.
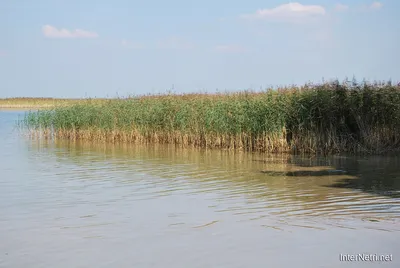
<point x="327" y="118"/>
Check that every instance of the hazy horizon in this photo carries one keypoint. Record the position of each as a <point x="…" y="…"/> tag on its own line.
<point x="169" y="91"/>
<point x="76" y="49"/>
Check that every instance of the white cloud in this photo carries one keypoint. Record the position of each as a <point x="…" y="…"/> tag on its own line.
<point x="53" y="32"/>
<point x="288" y="12"/>
<point x="230" y="49"/>
<point x="341" y="7"/>
<point x="175" y="42"/>
<point x="376" y="5"/>
<point x="132" y="45"/>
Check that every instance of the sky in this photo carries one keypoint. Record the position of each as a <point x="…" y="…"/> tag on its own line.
<point x="99" y="48"/>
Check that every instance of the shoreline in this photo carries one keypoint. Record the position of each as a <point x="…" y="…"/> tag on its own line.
<point x="24" y="107"/>
<point x="330" y="118"/>
<point x="43" y="103"/>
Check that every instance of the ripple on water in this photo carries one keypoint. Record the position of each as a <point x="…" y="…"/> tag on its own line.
<point x="153" y="177"/>
<point x="69" y="199"/>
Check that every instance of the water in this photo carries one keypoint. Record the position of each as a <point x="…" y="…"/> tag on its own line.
<point x="66" y="204"/>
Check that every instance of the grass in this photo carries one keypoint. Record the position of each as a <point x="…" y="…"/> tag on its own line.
<point x="327" y="118"/>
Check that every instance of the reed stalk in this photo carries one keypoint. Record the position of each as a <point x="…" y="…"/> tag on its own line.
<point x="326" y="118"/>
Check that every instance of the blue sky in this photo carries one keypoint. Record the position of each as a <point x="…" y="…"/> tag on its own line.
<point x="98" y="48"/>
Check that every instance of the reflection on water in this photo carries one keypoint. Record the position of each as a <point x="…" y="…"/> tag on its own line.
<point x="78" y="204"/>
<point x="285" y="185"/>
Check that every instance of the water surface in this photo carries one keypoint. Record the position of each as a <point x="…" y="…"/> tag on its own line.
<point x="79" y="204"/>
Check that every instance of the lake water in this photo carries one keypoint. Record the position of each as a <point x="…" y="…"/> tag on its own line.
<point x="65" y="204"/>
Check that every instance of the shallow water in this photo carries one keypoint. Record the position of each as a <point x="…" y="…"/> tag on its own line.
<point x="66" y="204"/>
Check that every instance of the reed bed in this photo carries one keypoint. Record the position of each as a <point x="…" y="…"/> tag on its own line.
<point x="326" y="118"/>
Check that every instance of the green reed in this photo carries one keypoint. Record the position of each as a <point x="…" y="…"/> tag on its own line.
<point x="328" y="118"/>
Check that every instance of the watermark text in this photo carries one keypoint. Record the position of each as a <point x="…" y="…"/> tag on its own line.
<point x="366" y="257"/>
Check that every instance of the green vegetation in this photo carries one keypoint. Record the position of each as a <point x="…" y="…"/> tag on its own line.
<point x="328" y="118"/>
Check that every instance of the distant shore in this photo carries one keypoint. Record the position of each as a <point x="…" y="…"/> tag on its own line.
<point x="26" y="103"/>
<point x="23" y="107"/>
<point x="39" y="103"/>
